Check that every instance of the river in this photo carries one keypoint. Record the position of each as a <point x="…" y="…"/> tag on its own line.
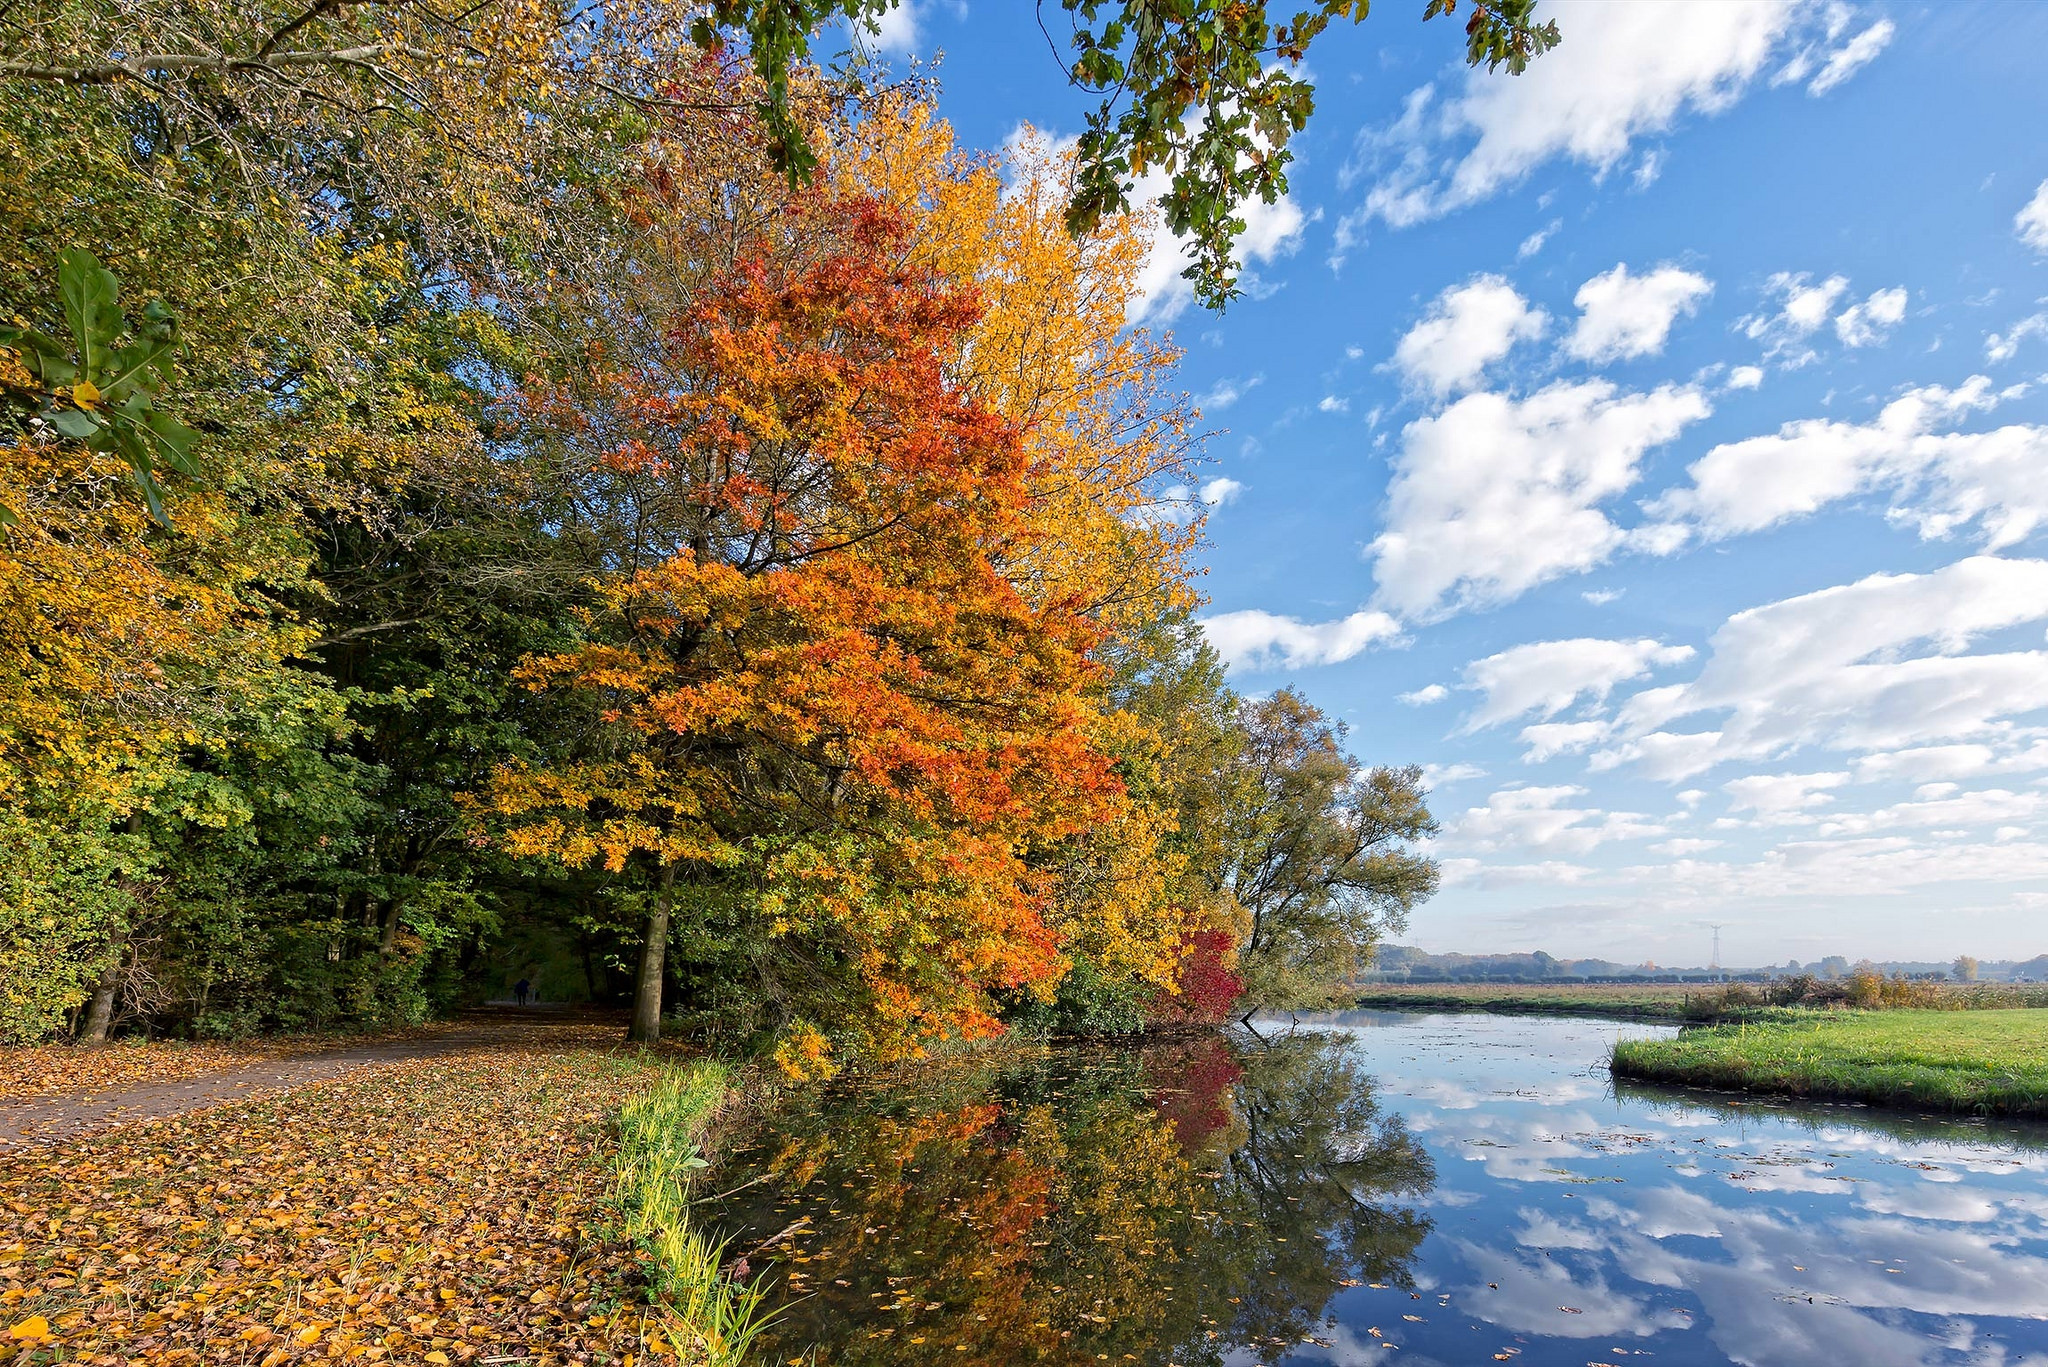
<point x="1375" y="1187"/>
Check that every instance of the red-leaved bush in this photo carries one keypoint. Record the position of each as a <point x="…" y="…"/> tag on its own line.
<point x="1208" y="988"/>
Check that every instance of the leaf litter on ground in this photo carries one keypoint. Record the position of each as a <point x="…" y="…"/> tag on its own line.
<point x="442" y="1211"/>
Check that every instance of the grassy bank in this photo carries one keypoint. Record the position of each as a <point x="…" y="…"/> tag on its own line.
<point x="1989" y="1062"/>
<point x="711" y="1320"/>
<point x="518" y="1202"/>
<point x="1646" y="1001"/>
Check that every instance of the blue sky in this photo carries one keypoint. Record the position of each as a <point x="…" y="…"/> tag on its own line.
<point x="1655" y="447"/>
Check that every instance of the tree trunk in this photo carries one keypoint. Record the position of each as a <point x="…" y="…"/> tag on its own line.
<point x="653" y="959"/>
<point x="99" y="1016"/>
<point x="388" y="941"/>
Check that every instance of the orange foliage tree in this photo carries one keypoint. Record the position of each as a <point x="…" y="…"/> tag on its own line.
<point x="822" y="710"/>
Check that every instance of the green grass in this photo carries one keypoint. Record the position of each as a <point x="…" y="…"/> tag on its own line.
<point x="1987" y="1062"/>
<point x="714" y="1320"/>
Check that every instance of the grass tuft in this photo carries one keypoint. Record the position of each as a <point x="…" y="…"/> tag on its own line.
<point x="1983" y="1062"/>
<point x="713" y="1320"/>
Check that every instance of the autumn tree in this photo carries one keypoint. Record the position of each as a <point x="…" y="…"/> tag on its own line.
<point x="822" y="706"/>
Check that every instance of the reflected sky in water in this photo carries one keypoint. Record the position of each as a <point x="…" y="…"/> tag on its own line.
<point x="1382" y="1187"/>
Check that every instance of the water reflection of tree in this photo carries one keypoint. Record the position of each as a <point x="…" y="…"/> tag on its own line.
<point x="1169" y="1203"/>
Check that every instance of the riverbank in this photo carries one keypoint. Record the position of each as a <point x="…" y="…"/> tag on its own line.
<point x="1701" y="1003"/>
<point x="1985" y="1062"/>
<point x="504" y="1201"/>
<point x="1626" y="1001"/>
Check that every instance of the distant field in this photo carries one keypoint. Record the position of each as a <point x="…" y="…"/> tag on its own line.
<point x="1992" y="1062"/>
<point x="1691" y="1001"/>
<point x="1664" y="1001"/>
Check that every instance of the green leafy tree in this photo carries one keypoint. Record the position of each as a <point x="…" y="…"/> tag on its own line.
<point x="1207" y="92"/>
<point x="1317" y="850"/>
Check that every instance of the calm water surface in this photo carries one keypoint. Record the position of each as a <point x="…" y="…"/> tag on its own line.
<point x="1382" y="1188"/>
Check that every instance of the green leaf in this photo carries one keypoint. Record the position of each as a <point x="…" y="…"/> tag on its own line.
<point x="74" y="423"/>
<point x="174" y="441"/>
<point x="91" y="305"/>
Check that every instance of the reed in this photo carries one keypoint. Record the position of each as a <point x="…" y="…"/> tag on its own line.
<point x="713" y="1320"/>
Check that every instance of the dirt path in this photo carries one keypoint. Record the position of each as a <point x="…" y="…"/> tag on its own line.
<point x="48" y="1120"/>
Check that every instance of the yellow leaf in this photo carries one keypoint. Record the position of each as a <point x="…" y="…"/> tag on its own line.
<point x="310" y="1334"/>
<point x="34" y="1327"/>
<point x="439" y="1357"/>
<point x="85" y="393"/>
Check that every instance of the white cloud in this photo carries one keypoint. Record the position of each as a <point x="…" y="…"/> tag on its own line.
<point x="1801" y="309"/>
<point x="1547" y="740"/>
<point x="1220" y="491"/>
<point x="1625" y="72"/>
<point x="1880" y="665"/>
<point x="2031" y="222"/>
<point x="1775" y="798"/>
<point x="1929" y="763"/>
<point x="1538" y="819"/>
<point x="896" y="29"/>
<point x="1252" y="639"/>
<point x="1685" y="846"/>
<point x="1745" y="377"/>
<point x="1436" y="775"/>
<point x="1938" y="805"/>
<point x="1946" y="480"/>
<point x="1533" y="243"/>
<point x="1228" y="392"/>
<point x="1425" y="695"/>
<point x="2003" y="346"/>
<point x="1496" y="495"/>
<point x="1545" y="677"/>
<point x="1468" y="327"/>
<point x="1271" y="231"/>
<point x="1623" y="316"/>
<point x="1871" y="321"/>
<point x="1851" y="57"/>
<point x="1600" y="598"/>
<point x="1330" y="403"/>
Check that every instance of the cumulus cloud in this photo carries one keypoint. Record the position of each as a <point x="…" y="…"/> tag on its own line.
<point x="1496" y="495"/>
<point x="1547" y="740"/>
<point x="1258" y="640"/>
<point x="1801" y="306"/>
<point x="1539" y="819"/>
<point x="1220" y="491"/>
<point x="1626" y="73"/>
<point x="1623" y="316"/>
<point x="1272" y="231"/>
<point x="1779" y="797"/>
<point x="1745" y="377"/>
<point x="1944" y="481"/>
<point x="896" y="29"/>
<point x="2031" y="222"/>
<point x="1425" y="695"/>
<point x="1467" y="329"/>
<point x="2003" y="346"/>
<point x="1543" y="678"/>
<point x="1941" y="806"/>
<point x="1871" y="321"/>
<point x="1881" y="665"/>
<point x="1938" y="763"/>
